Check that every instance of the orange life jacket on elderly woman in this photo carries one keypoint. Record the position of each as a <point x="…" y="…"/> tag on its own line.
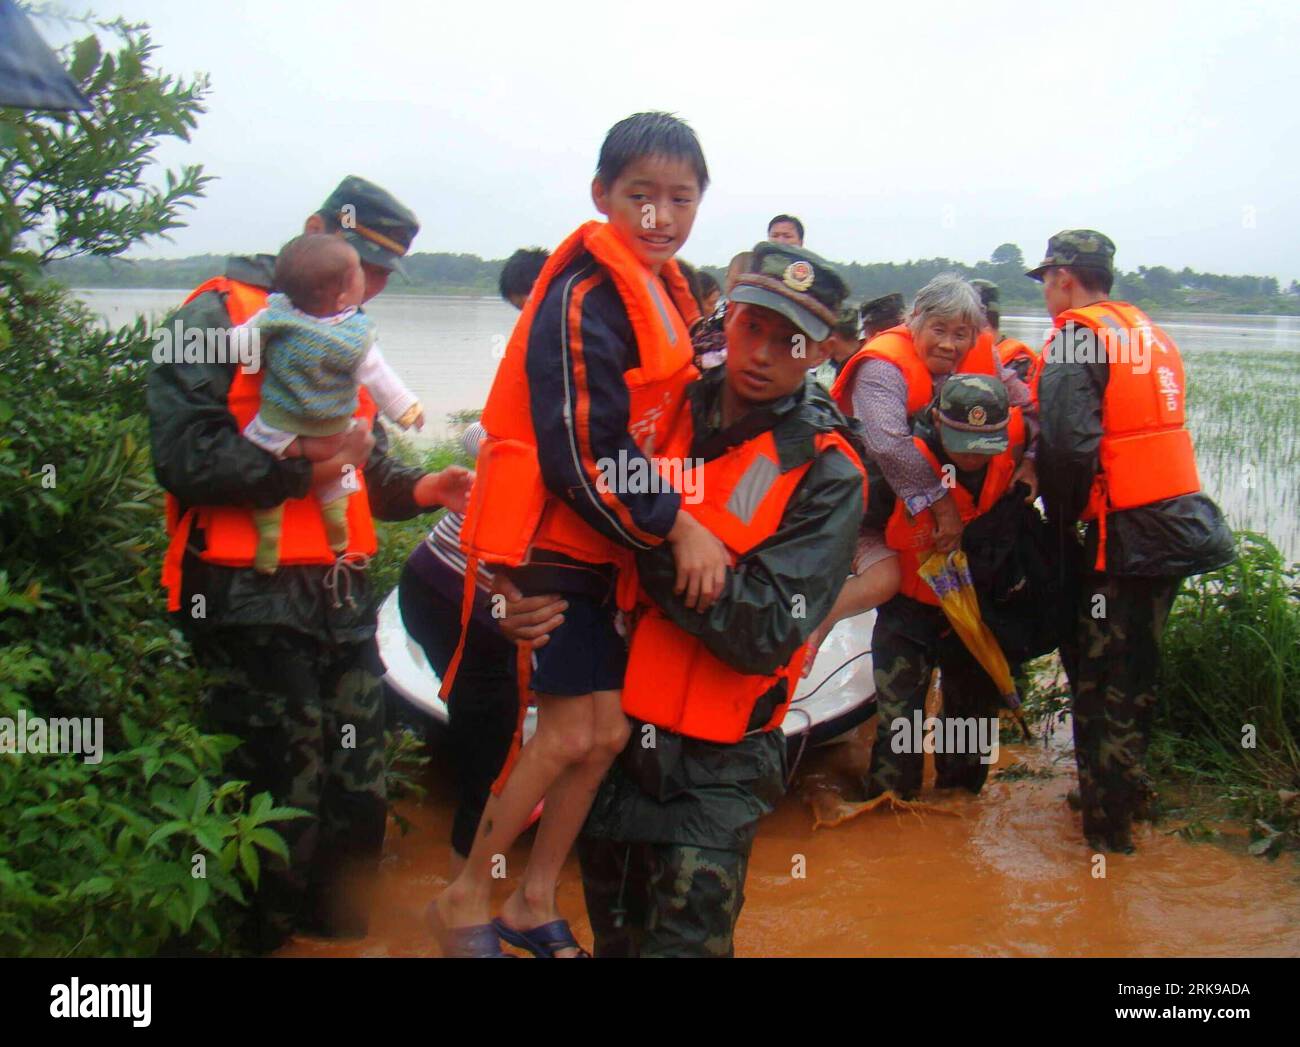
<point x="912" y="536"/>
<point x="673" y="681"/>
<point x="1146" y="451"/>
<point x="897" y="347"/>
<point x="229" y="537"/>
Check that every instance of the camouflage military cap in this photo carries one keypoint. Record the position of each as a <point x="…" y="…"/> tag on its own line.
<point x="372" y="220"/>
<point x="848" y="323"/>
<point x="882" y="312"/>
<point x="793" y="281"/>
<point x="973" y="414"/>
<point x="1084" y="248"/>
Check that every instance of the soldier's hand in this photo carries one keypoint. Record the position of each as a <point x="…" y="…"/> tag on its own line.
<point x="449" y="487"/>
<point x="948" y="525"/>
<point x="357" y="444"/>
<point x="701" y="560"/>
<point x="1027" y="474"/>
<point x="528" y="619"/>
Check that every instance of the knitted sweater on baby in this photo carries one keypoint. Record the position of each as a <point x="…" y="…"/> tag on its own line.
<point x="311" y="362"/>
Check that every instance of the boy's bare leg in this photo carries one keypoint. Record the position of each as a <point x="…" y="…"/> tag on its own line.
<point x="565" y="731"/>
<point x="567" y="803"/>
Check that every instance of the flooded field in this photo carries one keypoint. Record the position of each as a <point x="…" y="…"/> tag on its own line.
<point x="1002" y="874"/>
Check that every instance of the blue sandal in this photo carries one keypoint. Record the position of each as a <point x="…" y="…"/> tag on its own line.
<point x="543" y="941"/>
<point x="479" y="942"/>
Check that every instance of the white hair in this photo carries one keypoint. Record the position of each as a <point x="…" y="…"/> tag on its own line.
<point x="950" y="297"/>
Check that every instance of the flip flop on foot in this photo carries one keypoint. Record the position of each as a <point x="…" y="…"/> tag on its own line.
<point x="479" y="942"/>
<point x="544" y="940"/>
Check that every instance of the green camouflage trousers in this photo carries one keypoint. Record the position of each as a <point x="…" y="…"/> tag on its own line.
<point x="1112" y="659"/>
<point x="657" y="900"/>
<point x="909" y="641"/>
<point x="311" y="717"/>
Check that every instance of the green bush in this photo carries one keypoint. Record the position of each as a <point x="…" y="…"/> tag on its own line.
<point x="100" y="858"/>
<point x="1229" y="712"/>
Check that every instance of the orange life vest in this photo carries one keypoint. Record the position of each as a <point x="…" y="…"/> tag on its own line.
<point x="229" y="536"/>
<point x="1146" y="451"/>
<point x="896" y="346"/>
<point x="1010" y="349"/>
<point x="911" y="536"/>
<point x="510" y="511"/>
<point x="672" y="679"/>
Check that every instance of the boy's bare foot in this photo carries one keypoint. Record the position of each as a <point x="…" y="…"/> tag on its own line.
<point x="521" y="915"/>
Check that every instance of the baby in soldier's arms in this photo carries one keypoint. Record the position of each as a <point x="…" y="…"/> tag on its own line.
<point x="319" y="348"/>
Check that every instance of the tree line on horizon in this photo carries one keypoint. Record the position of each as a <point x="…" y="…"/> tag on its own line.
<point x="1149" y="287"/>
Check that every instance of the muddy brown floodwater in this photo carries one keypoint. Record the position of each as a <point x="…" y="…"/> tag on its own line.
<point x="1010" y="876"/>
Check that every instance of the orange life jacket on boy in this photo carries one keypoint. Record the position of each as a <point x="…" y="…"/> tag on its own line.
<point x="510" y="510"/>
<point x="230" y="539"/>
<point x="672" y="679"/>
<point x="910" y="535"/>
<point x="1146" y="451"/>
<point x="896" y="346"/>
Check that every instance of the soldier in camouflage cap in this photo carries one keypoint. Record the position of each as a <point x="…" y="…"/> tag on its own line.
<point x="291" y="660"/>
<point x="973" y="413"/>
<point x="845" y="338"/>
<point x="1121" y="579"/>
<point x="1078" y="249"/>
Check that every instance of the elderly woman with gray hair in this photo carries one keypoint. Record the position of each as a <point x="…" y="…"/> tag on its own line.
<point x="900" y="371"/>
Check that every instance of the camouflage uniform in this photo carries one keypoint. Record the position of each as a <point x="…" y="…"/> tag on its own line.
<point x="292" y="655"/>
<point x="910" y="640"/>
<point x="1112" y="661"/>
<point x="311" y="716"/>
<point x="666" y="847"/>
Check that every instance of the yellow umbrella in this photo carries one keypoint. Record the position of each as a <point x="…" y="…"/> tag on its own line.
<point x="950" y="579"/>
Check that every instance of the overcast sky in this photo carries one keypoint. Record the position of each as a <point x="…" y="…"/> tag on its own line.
<point x="898" y="131"/>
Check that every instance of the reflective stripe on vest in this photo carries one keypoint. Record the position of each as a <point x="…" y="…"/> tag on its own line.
<point x="230" y="539"/>
<point x="1146" y="453"/>
<point x="913" y="536"/>
<point x="897" y="347"/>
<point x="672" y="679"/>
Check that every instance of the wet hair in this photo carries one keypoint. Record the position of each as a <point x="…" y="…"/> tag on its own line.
<point x="521" y="270"/>
<point x="798" y="225"/>
<point x="313" y="269"/>
<point x="949" y="296"/>
<point x="705" y="284"/>
<point x="644" y="135"/>
<point x="1094" y="281"/>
